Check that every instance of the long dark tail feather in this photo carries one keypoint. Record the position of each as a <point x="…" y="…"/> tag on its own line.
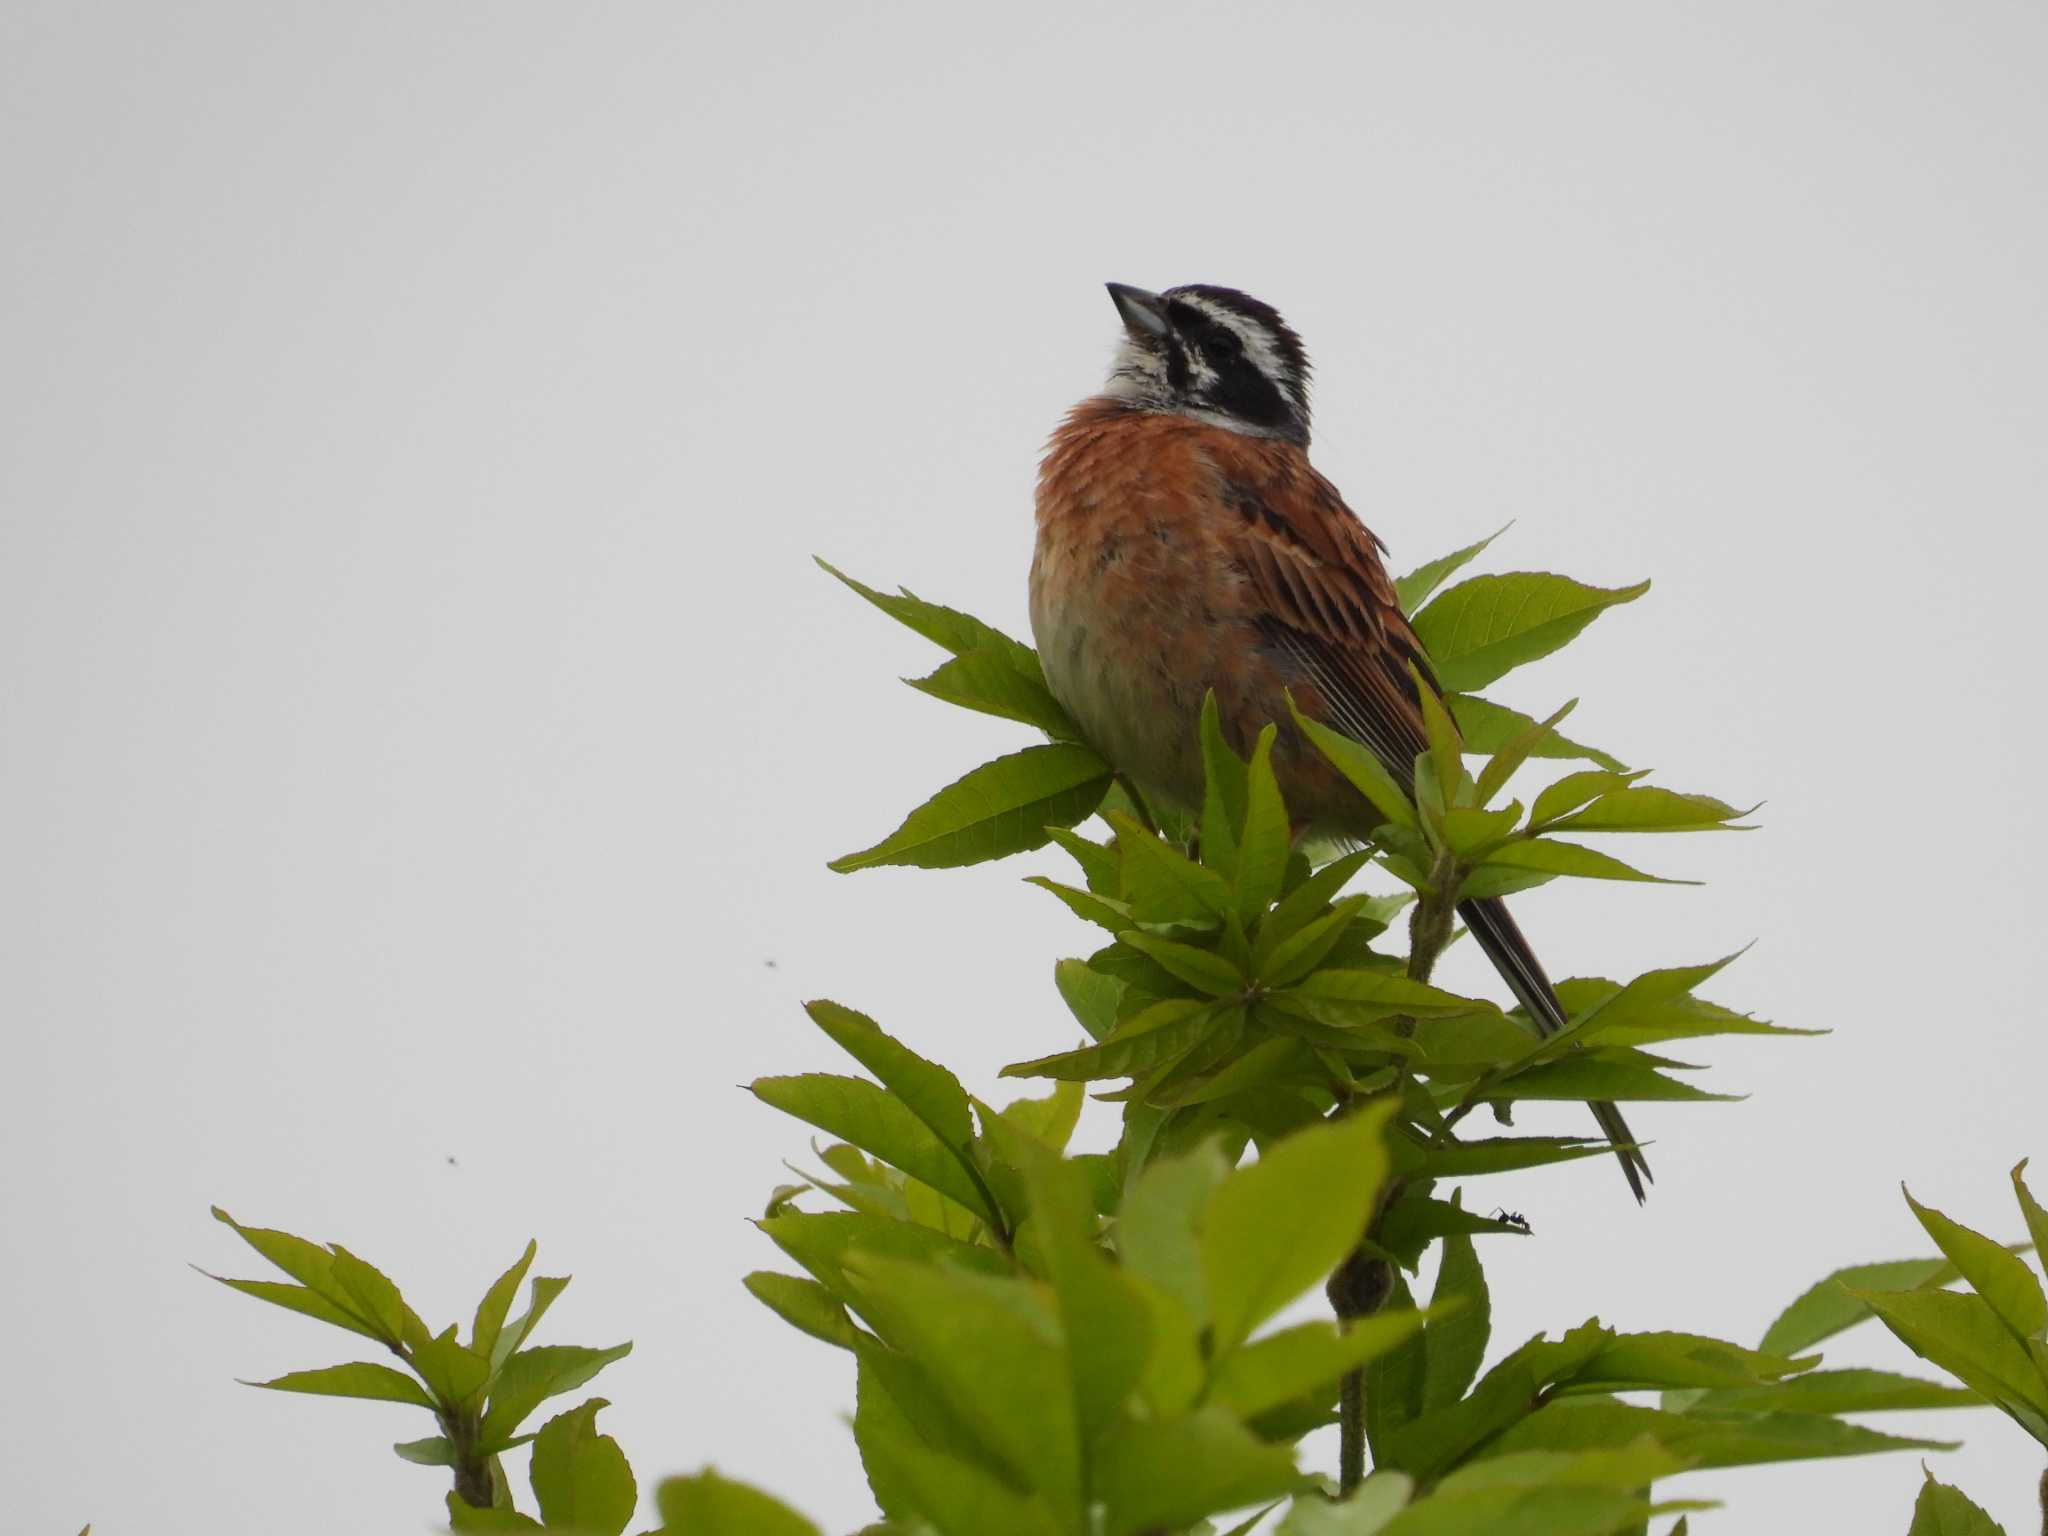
<point x="1489" y="921"/>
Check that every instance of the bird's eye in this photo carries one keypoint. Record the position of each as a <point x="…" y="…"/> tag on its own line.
<point x="1221" y="347"/>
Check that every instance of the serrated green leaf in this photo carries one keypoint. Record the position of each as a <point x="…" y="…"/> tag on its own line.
<point x="1944" y="1511"/>
<point x="1002" y="807"/>
<point x="1281" y="1366"/>
<point x="1162" y="884"/>
<point x="2002" y="1278"/>
<point x="1489" y="727"/>
<point x="1831" y="1304"/>
<point x="465" y="1519"/>
<point x="1646" y="808"/>
<point x="580" y="1477"/>
<point x="1267" y="841"/>
<point x="497" y="1303"/>
<point x="957" y="632"/>
<point x="925" y="1088"/>
<point x="1157" y="1230"/>
<point x="298" y="1298"/>
<point x="1100" y="868"/>
<point x="1455" y="1344"/>
<point x="532" y="1376"/>
<point x="1089" y="995"/>
<point x="953" y="1494"/>
<point x="822" y="1240"/>
<point x="1487" y="626"/>
<point x="1105" y="912"/>
<point x="877" y="1122"/>
<point x="306" y="1262"/>
<point x="1558" y="800"/>
<point x="452" y="1371"/>
<point x="1496" y="1154"/>
<point x="1371" y="1505"/>
<point x="1414" y="589"/>
<point x="1592" y="1078"/>
<point x="1503" y="761"/>
<point x="1965" y="1337"/>
<point x="1050" y="1119"/>
<point x="1547" y="856"/>
<point x="1162" y="1033"/>
<point x="1223" y="794"/>
<point x="1200" y="968"/>
<point x="1705" y="1440"/>
<point x="990" y="681"/>
<point x="709" y="1505"/>
<point x="1845" y="1391"/>
<point x="1161" y="1475"/>
<point x="1366" y="773"/>
<point x="1676" y="1361"/>
<point x="1273" y="1229"/>
<point x="541" y="1293"/>
<point x="968" y="1330"/>
<point x="805" y="1305"/>
<point x="1367" y="990"/>
<point x="375" y="1296"/>
<point x="376" y="1383"/>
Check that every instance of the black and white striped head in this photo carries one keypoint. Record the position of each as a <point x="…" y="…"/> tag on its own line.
<point x="1214" y="354"/>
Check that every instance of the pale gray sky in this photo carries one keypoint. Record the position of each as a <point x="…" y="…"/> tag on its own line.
<point x="424" y="727"/>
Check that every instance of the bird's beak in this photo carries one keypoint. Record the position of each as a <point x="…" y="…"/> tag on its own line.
<point x="1144" y="314"/>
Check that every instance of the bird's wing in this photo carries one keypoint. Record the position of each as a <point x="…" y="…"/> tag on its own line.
<point x="1325" y="596"/>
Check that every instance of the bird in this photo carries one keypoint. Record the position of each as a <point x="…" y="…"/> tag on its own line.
<point x="1186" y="545"/>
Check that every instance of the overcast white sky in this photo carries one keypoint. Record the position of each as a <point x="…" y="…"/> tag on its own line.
<point x="424" y="730"/>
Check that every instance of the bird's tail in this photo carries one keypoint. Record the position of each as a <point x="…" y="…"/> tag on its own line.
<point x="1490" y="923"/>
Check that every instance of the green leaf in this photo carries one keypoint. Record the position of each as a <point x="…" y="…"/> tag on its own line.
<point x="377" y="1383"/>
<point x="1103" y="911"/>
<point x="298" y="1298"/>
<point x="464" y="1518"/>
<point x="1502" y="763"/>
<point x="1559" y="800"/>
<point x="580" y="1477"/>
<point x="1272" y="1230"/>
<point x="541" y="1294"/>
<point x="532" y="1376"/>
<point x="1489" y="625"/>
<point x="925" y="1088"/>
<point x="2000" y="1277"/>
<point x="1646" y="808"/>
<point x="805" y="1305"/>
<point x="1832" y="1304"/>
<point x="1470" y="832"/>
<point x="1202" y="969"/>
<point x="497" y="1302"/>
<point x="1966" y="1337"/>
<point x="1223" y="794"/>
<point x="1293" y="1362"/>
<point x="1294" y="956"/>
<point x="1376" y="994"/>
<point x="1456" y="1341"/>
<point x="958" y="632"/>
<point x="1371" y="1505"/>
<point x="1944" y="1511"/>
<point x="1846" y="1391"/>
<point x="1366" y="773"/>
<point x="968" y="1331"/>
<point x="1446" y="751"/>
<point x="1414" y="589"/>
<point x="1089" y="995"/>
<point x="1163" y="1033"/>
<point x="2037" y="1219"/>
<point x="1099" y="864"/>
<point x="1588" y="1077"/>
<point x="1157" y="1230"/>
<point x="1410" y="1224"/>
<point x="1733" y="1440"/>
<point x="1546" y="856"/>
<point x="1162" y="884"/>
<point x="821" y="1241"/>
<point x="1675" y="1361"/>
<point x="309" y="1264"/>
<point x="1049" y="1120"/>
<point x="1393" y="1385"/>
<point x="708" y="1505"/>
<point x="1002" y="807"/>
<point x="450" y="1370"/>
<point x="878" y="1122"/>
<point x="954" y="1495"/>
<point x="1268" y="840"/>
<point x="989" y="680"/>
<point x="1106" y="1323"/>
<point x="1495" y="1154"/>
<point x="434" y="1451"/>
<point x="375" y="1297"/>
<point x="1490" y="728"/>
<point x="1155" y="1476"/>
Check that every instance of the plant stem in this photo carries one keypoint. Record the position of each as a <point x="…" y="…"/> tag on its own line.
<point x="2044" y="1504"/>
<point x="1363" y="1282"/>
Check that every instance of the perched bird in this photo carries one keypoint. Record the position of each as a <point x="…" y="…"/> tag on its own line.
<point x="1185" y="543"/>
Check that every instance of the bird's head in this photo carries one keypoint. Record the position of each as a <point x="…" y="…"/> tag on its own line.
<point x="1212" y="353"/>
